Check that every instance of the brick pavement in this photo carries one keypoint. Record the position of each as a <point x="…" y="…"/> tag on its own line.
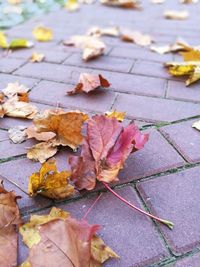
<point x="164" y="176"/>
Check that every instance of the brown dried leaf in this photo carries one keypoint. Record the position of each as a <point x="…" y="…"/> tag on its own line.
<point x="97" y="31"/>
<point x="136" y="37"/>
<point x="42" y="151"/>
<point x="89" y="82"/>
<point x="32" y="133"/>
<point x="122" y="3"/>
<point x="174" y="14"/>
<point x="189" y="1"/>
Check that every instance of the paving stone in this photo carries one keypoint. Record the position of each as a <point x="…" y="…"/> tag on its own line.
<point x="3" y="135"/>
<point x="178" y="90"/>
<point x="103" y="62"/>
<point x="156" y="156"/>
<point x="143" y="239"/>
<point x="191" y="261"/>
<point x="185" y="138"/>
<point x="176" y="197"/>
<point x="8" y="78"/>
<point x="50" y="92"/>
<point x="155" y="109"/>
<point x="10" y="64"/>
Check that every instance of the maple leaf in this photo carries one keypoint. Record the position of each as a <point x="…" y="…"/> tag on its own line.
<point x="43" y="34"/>
<point x="17" y="134"/>
<point x="91" y="46"/>
<point x="116" y="114"/>
<point x="9" y="223"/>
<point x="36" y="57"/>
<point x="89" y="82"/>
<point x="49" y="182"/>
<point x="106" y="147"/>
<point x="31" y="132"/>
<point x="122" y="3"/>
<point x="65" y="124"/>
<point x="97" y="31"/>
<point x="196" y="125"/>
<point x="135" y="37"/>
<point x="64" y="241"/>
<point x="173" y="14"/>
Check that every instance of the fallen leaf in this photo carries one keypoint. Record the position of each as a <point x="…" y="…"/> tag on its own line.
<point x="65" y="124"/>
<point x="97" y="31"/>
<point x="189" y="1"/>
<point x="36" y="57"/>
<point x="116" y="114"/>
<point x="196" y="125"/>
<point x="105" y="149"/>
<point x="14" y="44"/>
<point x="17" y="134"/>
<point x="89" y="82"/>
<point x="42" y="151"/>
<point x="9" y="224"/>
<point x="173" y="14"/>
<point x="135" y="37"/>
<point x="3" y="40"/>
<point x="157" y="1"/>
<point x="1" y="97"/>
<point x="64" y="241"/>
<point x="43" y="34"/>
<point x="50" y="183"/>
<point x="2" y="111"/>
<point x="23" y="97"/>
<point x="161" y="49"/>
<point x="13" y="89"/>
<point x="32" y="133"/>
<point x="72" y="5"/>
<point x="122" y="3"/>
<point x="91" y="46"/>
<point x="192" y="55"/>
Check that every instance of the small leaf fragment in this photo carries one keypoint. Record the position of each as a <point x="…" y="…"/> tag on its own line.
<point x="72" y="5"/>
<point x="42" y="151"/>
<point x="31" y="132"/>
<point x="196" y="125"/>
<point x="177" y="15"/>
<point x="97" y="31"/>
<point x="116" y="114"/>
<point x="122" y="3"/>
<point x="17" y="134"/>
<point x="135" y="37"/>
<point x="43" y="34"/>
<point x="3" y="41"/>
<point x="36" y="57"/>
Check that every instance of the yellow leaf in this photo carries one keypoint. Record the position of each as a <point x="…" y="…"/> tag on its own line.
<point x="20" y="43"/>
<point x="195" y="76"/>
<point x="116" y="114"/>
<point x="174" y="14"/>
<point x="43" y="34"/>
<point x="50" y="183"/>
<point x="196" y="125"/>
<point x="26" y="264"/>
<point x="42" y="151"/>
<point x="3" y="41"/>
<point x="72" y="5"/>
<point x="192" y="55"/>
<point x="36" y="57"/>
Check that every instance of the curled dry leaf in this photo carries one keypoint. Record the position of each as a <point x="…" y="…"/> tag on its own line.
<point x="42" y="151"/>
<point x="135" y="37"/>
<point x="97" y="31"/>
<point x="32" y="133"/>
<point x="49" y="182"/>
<point x="65" y="124"/>
<point x="9" y="223"/>
<point x="36" y="57"/>
<point x="122" y="3"/>
<point x="43" y="34"/>
<point x="13" y="89"/>
<point x="174" y="14"/>
<point x="59" y="240"/>
<point x="17" y="134"/>
<point x="196" y="125"/>
<point x="106" y="147"/>
<point x="91" y="46"/>
<point x="72" y="5"/>
<point x="116" y="114"/>
<point x="89" y="82"/>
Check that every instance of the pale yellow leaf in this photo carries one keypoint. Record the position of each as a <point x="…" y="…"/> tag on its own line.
<point x="196" y="125"/>
<point x="43" y="34"/>
<point x="175" y="14"/>
<point x="36" y="57"/>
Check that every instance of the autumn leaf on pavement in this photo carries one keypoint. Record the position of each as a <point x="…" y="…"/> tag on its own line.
<point x="116" y="114"/>
<point x="9" y="223"/>
<point x="189" y="1"/>
<point x="17" y="134"/>
<point x="13" y="89"/>
<point x="89" y="82"/>
<point x="91" y="46"/>
<point x="191" y="55"/>
<point x="122" y="3"/>
<point x="106" y="147"/>
<point x="98" y="32"/>
<point x="43" y="34"/>
<point x="3" y="40"/>
<point x="13" y="44"/>
<point x="177" y="15"/>
<point x="49" y="182"/>
<point x="36" y="57"/>
<point x="31" y="132"/>
<point x="72" y="5"/>
<point x="59" y="240"/>
<point x="135" y="37"/>
<point x="157" y="1"/>
<point x="196" y="125"/>
<point x="65" y="124"/>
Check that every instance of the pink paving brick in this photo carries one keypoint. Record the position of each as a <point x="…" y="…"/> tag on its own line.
<point x="157" y="156"/>
<point x="8" y="78"/>
<point x="155" y="109"/>
<point x="8" y="65"/>
<point x="176" y="197"/>
<point x="185" y="138"/>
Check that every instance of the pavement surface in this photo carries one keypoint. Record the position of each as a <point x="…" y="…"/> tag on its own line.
<point x="164" y="176"/>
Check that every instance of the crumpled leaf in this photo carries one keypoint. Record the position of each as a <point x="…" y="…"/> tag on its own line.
<point x="43" y="34"/>
<point x="64" y="241"/>
<point x="97" y="31"/>
<point x="72" y="5"/>
<point x="17" y="134"/>
<point x="105" y="149"/>
<point x="91" y="46"/>
<point x="9" y="223"/>
<point x="122" y="3"/>
<point x="49" y="182"/>
<point x="42" y="151"/>
<point x="15" y="43"/>
<point x="37" y="57"/>
<point x="116" y="114"/>
<point x="13" y="89"/>
<point x="65" y="124"/>
<point x="32" y="133"/>
<point x="89" y="82"/>
<point x="135" y="37"/>
<point x="190" y="68"/>
<point x="196" y="125"/>
<point x="174" y="14"/>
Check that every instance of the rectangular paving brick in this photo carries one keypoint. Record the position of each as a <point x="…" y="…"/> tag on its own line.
<point x="156" y="156"/>
<point x="103" y="62"/>
<point x="8" y="78"/>
<point x="8" y="65"/>
<point x="155" y="109"/>
<point x="178" y="90"/>
<point x="50" y="93"/>
<point x="185" y="138"/>
<point x="190" y="261"/>
<point x="175" y="197"/>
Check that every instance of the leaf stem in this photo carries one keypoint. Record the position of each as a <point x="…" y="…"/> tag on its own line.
<point x="165" y="222"/>
<point x="91" y="207"/>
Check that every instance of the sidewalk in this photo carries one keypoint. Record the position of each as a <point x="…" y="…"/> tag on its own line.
<point x="164" y="177"/>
